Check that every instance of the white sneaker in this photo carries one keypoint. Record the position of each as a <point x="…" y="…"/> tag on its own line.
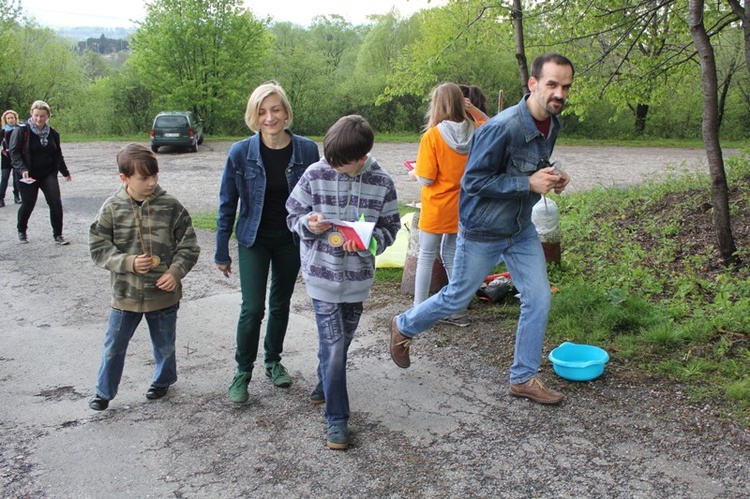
<point x="460" y="319"/>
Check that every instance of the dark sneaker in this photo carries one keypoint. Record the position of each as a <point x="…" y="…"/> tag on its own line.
<point x="399" y="346"/>
<point x="460" y="319"/>
<point x="317" y="396"/>
<point x="2" y="203"/>
<point x="338" y="437"/>
<point x="156" y="392"/>
<point x="98" y="403"/>
<point x="278" y="374"/>
<point x="17" y="199"/>
<point x="238" y="389"/>
<point x="535" y="390"/>
<point x="61" y="241"/>
<point x="22" y="237"/>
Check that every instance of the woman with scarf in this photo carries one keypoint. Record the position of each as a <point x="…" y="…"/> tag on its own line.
<point x="36" y="156"/>
<point x="8" y="122"/>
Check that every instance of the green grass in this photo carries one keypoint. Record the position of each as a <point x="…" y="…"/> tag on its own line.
<point x="640" y="277"/>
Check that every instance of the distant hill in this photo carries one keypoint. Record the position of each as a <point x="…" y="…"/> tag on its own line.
<point x="82" y="33"/>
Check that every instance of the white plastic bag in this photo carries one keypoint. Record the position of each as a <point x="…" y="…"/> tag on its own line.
<point x="545" y="217"/>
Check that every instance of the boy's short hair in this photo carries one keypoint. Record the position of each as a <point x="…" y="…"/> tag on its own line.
<point x="256" y="99"/>
<point x="40" y="104"/>
<point x="137" y="158"/>
<point x="348" y="140"/>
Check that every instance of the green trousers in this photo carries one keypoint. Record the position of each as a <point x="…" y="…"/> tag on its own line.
<point x="277" y="253"/>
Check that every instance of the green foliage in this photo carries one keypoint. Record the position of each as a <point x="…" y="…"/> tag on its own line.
<point x="640" y="279"/>
<point x="201" y="56"/>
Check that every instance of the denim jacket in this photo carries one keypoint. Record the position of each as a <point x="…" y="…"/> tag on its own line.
<point x="495" y="200"/>
<point x="245" y="180"/>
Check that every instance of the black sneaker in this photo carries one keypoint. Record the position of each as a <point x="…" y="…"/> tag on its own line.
<point x="156" y="392"/>
<point x="61" y="241"/>
<point x="17" y="199"/>
<point x="2" y="203"/>
<point x="98" y="403"/>
<point x="22" y="237"/>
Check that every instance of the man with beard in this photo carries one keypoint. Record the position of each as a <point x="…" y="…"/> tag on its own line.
<point x="507" y="172"/>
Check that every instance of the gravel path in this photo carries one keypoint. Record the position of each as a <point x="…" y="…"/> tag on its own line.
<point x="444" y="428"/>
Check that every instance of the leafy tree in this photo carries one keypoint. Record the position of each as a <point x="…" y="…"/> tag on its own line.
<point x="200" y="55"/>
<point x="458" y="42"/>
<point x="313" y="65"/>
<point x="37" y="64"/>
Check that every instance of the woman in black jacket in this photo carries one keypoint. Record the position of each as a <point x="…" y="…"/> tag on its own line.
<point x="36" y="155"/>
<point x="8" y="122"/>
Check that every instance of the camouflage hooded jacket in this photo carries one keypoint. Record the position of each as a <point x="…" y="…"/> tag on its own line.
<point x="166" y="231"/>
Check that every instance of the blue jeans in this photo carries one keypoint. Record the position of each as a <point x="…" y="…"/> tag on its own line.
<point x="162" y="328"/>
<point x="337" y="323"/>
<point x="474" y="260"/>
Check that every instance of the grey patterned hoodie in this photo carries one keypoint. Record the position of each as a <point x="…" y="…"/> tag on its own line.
<point x="114" y="244"/>
<point x="332" y="274"/>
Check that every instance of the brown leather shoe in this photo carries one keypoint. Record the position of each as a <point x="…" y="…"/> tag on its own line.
<point x="535" y="390"/>
<point x="399" y="346"/>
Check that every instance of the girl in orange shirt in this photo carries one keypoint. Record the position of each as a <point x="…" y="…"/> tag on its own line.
<point x="441" y="161"/>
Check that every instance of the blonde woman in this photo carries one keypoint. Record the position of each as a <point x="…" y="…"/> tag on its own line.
<point x="8" y="122"/>
<point x="259" y="175"/>
<point x="36" y="156"/>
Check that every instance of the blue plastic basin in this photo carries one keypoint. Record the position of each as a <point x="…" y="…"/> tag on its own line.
<point x="578" y="362"/>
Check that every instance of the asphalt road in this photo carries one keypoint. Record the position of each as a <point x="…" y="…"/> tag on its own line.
<point x="443" y="428"/>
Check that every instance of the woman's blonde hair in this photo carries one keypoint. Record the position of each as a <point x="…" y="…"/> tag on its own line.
<point x="446" y="103"/>
<point x="40" y="104"/>
<point x="255" y="100"/>
<point x="3" y="121"/>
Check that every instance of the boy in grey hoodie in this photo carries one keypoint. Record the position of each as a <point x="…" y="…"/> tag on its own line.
<point x="348" y="184"/>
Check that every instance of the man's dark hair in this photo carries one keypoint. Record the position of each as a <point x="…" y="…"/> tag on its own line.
<point x="348" y="140"/>
<point x="540" y="61"/>
<point x="137" y="158"/>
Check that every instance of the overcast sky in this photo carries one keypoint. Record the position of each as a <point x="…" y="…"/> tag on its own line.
<point x="121" y="13"/>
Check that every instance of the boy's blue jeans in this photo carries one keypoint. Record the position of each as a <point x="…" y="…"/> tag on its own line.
<point x="162" y="328"/>
<point x="337" y="323"/>
<point x="474" y="260"/>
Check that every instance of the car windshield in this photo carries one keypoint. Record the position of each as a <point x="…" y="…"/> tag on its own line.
<point x="171" y="121"/>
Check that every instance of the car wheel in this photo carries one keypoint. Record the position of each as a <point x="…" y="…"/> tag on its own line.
<point x="200" y="140"/>
<point x="155" y="148"/>
<point x="194" y="148"/>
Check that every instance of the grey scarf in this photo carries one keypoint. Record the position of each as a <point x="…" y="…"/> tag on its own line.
<point x="43" y="134"/>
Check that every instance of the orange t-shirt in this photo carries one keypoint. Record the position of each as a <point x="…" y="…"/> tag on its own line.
<point x="445" y="167"/>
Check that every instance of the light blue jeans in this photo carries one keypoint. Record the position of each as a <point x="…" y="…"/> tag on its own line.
<point x="428" y="244"/>
<point x="337" y="323"/>
<point x="474" y="260"/>
<point x="162" y="326"/>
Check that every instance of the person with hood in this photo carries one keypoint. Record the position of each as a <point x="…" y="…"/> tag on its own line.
<point x="347" y="185"/>
<point x="9" y="122"/>
<point x="441" y="162"/>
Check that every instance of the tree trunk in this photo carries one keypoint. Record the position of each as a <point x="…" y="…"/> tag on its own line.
<point x="719" y="188"/>
<point x="641" y="113"/>
<point x="523" y="68"/>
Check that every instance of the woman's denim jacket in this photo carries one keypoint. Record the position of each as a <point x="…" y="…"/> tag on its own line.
<point x="495" y="201"/>
<point x="245" y="180"/>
